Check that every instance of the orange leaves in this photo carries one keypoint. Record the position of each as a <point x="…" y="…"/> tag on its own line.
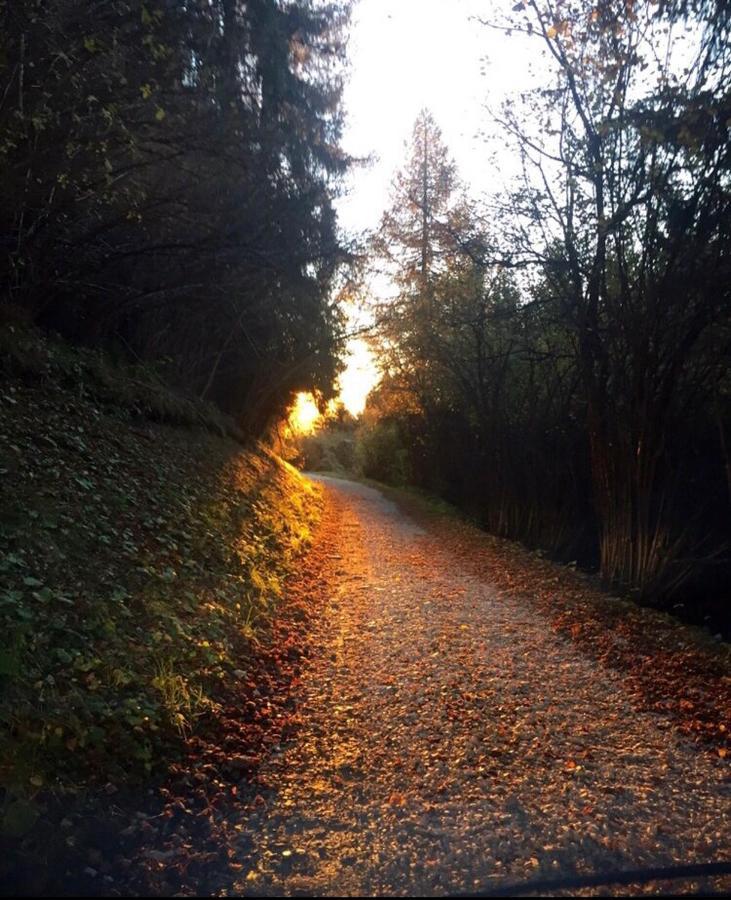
<point x="559" y="28"/>
<point x="666" y="668"/>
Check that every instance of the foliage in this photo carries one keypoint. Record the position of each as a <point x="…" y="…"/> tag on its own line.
<point x="562" y="370"/>
<point x="330" y="446"/>
<point x="328" y="451"/>
<point x="139" y="388"/>
<point x="167" y="174"/>
<point x="139" y="564"/>
<point x="381" y="452"/>
<point x="625" y="207"/>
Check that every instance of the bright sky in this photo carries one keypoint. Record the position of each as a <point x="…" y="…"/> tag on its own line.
<point x="409" y="54"/>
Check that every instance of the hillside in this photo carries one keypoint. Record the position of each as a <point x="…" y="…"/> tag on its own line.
<point x="142" y="558"/>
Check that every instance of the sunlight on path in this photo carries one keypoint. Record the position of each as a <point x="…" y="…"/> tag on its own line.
<point x="451" y="741"/>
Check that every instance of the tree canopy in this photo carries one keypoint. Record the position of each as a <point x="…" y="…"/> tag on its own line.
<point x="563" y="372"/>
<point x="168" y="173"/>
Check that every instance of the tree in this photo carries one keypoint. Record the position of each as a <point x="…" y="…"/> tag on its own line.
<point x="475" y="386"/>
<point x="414" y="242"/>
<point x="625" y="207"/>
<point x="564" y="374"/>
<point x="168" y="172"/>
<point x="414" y="230"/>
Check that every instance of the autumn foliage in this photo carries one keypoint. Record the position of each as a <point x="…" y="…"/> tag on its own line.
<point x="556" y="356"/>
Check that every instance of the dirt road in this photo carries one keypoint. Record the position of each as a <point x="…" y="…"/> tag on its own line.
<point x="452" y="742"/>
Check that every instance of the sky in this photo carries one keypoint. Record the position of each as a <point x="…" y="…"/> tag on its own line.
<point x="409" y="54"/>
<point x="406" y="55"/>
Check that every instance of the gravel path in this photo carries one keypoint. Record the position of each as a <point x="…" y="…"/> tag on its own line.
<point x="451" y="742"/>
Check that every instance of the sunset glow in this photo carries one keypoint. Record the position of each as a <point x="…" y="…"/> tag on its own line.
<point x="359" y="377"/>
<point x="304" y="415"/>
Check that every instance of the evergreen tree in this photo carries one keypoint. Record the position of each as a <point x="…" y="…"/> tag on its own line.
<point x="414" y="231"/>
<point x="414" y="239"/>
<point x="167" y="173"/>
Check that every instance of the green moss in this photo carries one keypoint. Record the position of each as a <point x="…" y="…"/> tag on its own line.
<point x="138" y="562"/>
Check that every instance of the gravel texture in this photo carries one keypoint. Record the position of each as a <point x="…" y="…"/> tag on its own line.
<point x="450" y="741"/>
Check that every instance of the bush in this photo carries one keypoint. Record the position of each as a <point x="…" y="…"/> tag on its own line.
<point x="381" y="453"/>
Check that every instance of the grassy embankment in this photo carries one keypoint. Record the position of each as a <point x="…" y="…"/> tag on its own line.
<point x="142" y="550"/>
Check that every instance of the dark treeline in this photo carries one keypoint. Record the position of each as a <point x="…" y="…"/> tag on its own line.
<point x="166" y="180"/>
<point x="557" y="364"/>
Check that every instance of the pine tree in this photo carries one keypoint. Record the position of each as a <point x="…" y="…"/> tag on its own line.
<point x="167" y="172"/>
<point x="420" y="237"/>
<point x="414" y="231"/>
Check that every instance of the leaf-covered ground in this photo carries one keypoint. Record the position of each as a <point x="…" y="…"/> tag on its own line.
<point x="140" y="566"/>
<point x="418" y="708"/>
<point x="453" y="738"/>
<point x="668" y="667"/>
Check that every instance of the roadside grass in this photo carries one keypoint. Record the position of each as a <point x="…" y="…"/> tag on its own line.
<point x="139" y="563"/>
<point x="431" y="506"/>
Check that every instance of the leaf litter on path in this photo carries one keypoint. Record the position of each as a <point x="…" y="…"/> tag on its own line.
<point x="451" y="740"/>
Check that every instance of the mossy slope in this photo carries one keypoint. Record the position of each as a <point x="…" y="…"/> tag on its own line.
<point x="138" y="562"/>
